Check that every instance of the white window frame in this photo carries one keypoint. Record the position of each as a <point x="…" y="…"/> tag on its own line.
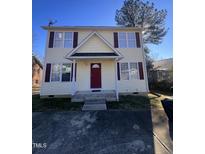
<point x="70" y="72"/>
<point x="52" y="71"/>
<point x="119" y="40"/>
<point x="129" y="78"/>
<point x="137" y="71"/>
<point x="121" y="72"/>
<point x="131" y="39"/>
<point x="126" y="39"/>
<point x="54" y="43"/>
<point x="63" y="44"/>
<point x="65" y="39"/>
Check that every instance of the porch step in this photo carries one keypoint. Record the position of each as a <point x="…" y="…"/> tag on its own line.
<point x="94" y="98"/>
<point x="94" y="101"/>
<point x="94" y="104"/>
<point x="89" y="107"/>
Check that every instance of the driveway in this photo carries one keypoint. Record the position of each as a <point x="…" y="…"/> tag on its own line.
<point x="101" y="132"/>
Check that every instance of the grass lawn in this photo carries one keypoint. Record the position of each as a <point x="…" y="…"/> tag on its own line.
<point x="54" y="104"/>
<point x="133" y="102"/>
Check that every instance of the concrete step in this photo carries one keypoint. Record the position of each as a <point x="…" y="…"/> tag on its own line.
<point x="95" y="101"/>
<point x="90" y="107"/>
<point x="95" y="98"/>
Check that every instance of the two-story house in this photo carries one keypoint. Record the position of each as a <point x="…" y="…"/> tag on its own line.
<point x="93" y="59"/>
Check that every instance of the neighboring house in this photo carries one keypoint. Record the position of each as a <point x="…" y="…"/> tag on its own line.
<point x="93" y="59"/>
<point x="162" y="70"/>
<point x="37" y="70"/>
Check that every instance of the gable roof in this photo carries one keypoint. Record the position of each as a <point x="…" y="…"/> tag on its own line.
<point x="87" y="38"/>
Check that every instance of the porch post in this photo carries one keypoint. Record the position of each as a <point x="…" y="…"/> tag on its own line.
<point x="73" y="77"/>
<point x="116" y="84"/>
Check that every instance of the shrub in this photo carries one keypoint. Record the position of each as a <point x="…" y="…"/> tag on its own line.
<point x="161" y="86"/>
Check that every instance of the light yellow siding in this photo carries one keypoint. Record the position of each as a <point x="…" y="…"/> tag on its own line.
<point x="94" y="44"/>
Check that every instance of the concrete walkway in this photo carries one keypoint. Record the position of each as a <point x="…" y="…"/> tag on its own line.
<point x="102" y="132"/>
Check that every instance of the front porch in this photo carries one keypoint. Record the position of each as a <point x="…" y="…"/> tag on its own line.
<point x="82" y="96"/>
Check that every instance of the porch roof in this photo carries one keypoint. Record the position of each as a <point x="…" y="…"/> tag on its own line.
<point x="94" y="54"/>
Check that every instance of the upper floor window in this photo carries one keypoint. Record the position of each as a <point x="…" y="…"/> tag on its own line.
<point x="127" y="40"/>
<point x="68" y="41"/>
<point x="58" y="40"/>
<point x="63" y="40"/>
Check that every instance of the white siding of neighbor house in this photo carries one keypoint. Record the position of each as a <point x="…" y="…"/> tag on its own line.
<point x="57" y="55"/>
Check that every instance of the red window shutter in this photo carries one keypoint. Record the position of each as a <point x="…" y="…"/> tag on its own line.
<point x="141" y="73"/>
<point x="75" y="39"/>
<point x="51" y="40"/>
<point x="48" y="72"/>
<point x="115" y="34"/>
<point x="118" y="71"/>
<point x="138" y="39"/>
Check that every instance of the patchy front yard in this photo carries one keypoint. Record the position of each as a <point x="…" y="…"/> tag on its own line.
<point x="128" y="102"/>
<point x="54" y="104"/>
<point x="133" y="102"/>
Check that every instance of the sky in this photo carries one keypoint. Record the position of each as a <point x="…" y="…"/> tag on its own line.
<point x="91" y="13"/>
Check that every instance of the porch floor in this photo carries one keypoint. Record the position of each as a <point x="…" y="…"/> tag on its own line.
<point x="82" y="96"/>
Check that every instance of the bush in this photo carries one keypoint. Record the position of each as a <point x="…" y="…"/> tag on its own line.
<point x="161" y="86"/>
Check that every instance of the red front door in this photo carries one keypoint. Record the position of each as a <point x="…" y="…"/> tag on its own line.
<point x="95" y="76"/>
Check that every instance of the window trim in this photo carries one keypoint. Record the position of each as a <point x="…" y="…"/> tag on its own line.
<point x="63" y="44"/>
<point x="129" y="71"/>
<point x="68" y="39"/>
<point x="126" y="37"/>
<point x="61" y="65"/>
<point x="62" y="72"/>
<point x="121" y="72"/>
<point x="54" y="42"/>
<point x="137" y="70"/>
<point x="52" y="71"/>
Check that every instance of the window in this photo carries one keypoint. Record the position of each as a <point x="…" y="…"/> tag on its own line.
<point x="55" y="75"/>
<point x="129" y="71"/>
<point x="131" y="40"/>
<point x="127" y="40"/>
<point x="66" y="72"/>
<point x="63" y="40"/>
<point x="124" y="71"/>
<point x="58" y="40"/>
<point x="133" y="71"/>
<point x="122" y="40"/>
<point x="36" y="81"/>
<point x="68" y="41"/>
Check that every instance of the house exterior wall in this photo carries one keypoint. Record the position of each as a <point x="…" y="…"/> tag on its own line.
<point x="107" y="74"/>
<point x="57" y="55"/>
